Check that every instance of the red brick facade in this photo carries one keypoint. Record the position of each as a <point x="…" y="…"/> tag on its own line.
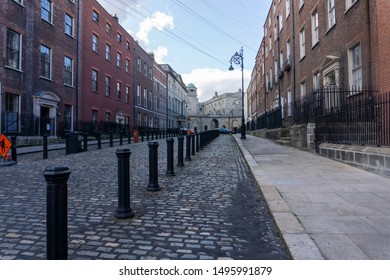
<point x="319" y="44"/>
<point x="36" y="93"/>
<point x="107" y="68"/>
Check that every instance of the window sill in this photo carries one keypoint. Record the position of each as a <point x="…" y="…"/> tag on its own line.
<point x="45" y="78"/>
<point x="13" y="69"/>
<point x="315" y="44"/>
<point x="350" y="7"/>
<point x="330" y="28"/>
<point x="69" y="86"/>
<point x="48" y="22"/>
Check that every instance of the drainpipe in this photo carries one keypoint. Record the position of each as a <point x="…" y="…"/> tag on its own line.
<point x="293" y="55"/>
<point x="79" y="49"/>
<point x="368" y="22"/>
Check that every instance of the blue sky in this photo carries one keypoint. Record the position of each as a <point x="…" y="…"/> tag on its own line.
<point x="197" y="37"/>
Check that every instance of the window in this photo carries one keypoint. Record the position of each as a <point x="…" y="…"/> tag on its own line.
<point x="108" y="115"/>
<point x="331" y="13"/>
<point x="127" y="95"/>
<point x="108" y="28"/>
<point x="138" y="95"/>
<point x="19" y="1"/>
<point x="303" y="90"/>
<point x="119" y="59"/>
<point x="349" y="3"/>
<point x="138" y="64"/>
<point x="314" y="28"/>
<point x="108" y="52"/>
<point x="316" y="81"/>
<point x="145" y="98"/>
<point x="108" y="86"/>
<point x="139" y="121"/>
<point x="302" y="50"/>
<point x="288" y="50"/>
<point x="94" y="116"/>
<point x="95" y="16"/>
<point x="12" y="111"/>
<point x="287" y="8"/>
<point x="68" y="117"/>
<point x="68" y="25"/>
<point x="301" y="2"/>
<point x="128" y="45"/>
<point x="118" y="90"/>
<point x="68" y="71"/>
<point x="150" y="100"/>
<point x="127" y="66"/>
<point x="119" y="37"/>
<point x="145" y="69"/>
<point x="13" y="56"/>
<point x="95" y="43"/>
<point x="47" y="9"/>
<point x="355" y="62"/>
<point x="280" y="21"/>
<point x="94" y="80"/>
<point x="45" y="67"/>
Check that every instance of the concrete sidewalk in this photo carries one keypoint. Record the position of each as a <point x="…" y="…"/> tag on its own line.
<point x="323" y="208"/>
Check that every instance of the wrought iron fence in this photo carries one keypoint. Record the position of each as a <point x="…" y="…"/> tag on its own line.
<point x="270" y="120"/>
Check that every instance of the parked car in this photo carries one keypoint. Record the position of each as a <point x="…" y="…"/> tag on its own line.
<point x="224" y="130"/>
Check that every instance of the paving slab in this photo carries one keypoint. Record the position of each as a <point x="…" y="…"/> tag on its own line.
<point x="343" y="210"/>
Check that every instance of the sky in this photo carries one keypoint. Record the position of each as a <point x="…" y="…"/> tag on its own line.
<point x="197" y="38"/>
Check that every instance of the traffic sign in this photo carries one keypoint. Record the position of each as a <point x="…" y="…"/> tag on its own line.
<point x="5" y="145"/>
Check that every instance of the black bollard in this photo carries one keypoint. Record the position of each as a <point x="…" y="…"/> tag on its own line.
<point x="153" y="167"/>
<point x="197" y="142"/>
<point x="111" y="139"/>
<point x="45" y="147"/>
<point x="56" y="212"/>
<point x="180" y="149"/>
<point x="170" y="168"/>
<point x="188" y="147"/>
<point x="147" y="135"/>
<point x="129" y="137"/>
<point x="193" y="144"/>
<point x="99" y="140"/>
<point x="13" y="149"/>
<point x="142" y="135"/>
<point x="124" y="210"/>
<point x="67" y="143"/>
<point x="85" y="141"/>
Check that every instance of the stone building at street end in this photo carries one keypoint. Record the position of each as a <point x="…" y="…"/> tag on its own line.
<point x="319" y="58"/>
<point x="38" y="72"/>
<point x="220" y="111"/>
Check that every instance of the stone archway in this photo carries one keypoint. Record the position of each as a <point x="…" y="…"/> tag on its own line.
<point x="214" y="124"/>
<point x="45" y="104"/>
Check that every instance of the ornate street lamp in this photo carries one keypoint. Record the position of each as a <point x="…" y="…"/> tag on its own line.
<point x="238" y="58"/>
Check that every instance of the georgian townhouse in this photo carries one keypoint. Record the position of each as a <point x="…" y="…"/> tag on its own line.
<point x="106" y="80"/>
<point x="38" y="41"/>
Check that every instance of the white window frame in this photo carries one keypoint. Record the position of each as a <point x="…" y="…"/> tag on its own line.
<point x="95" y="79"/>
<point x="288" y="8"/>
<point x="349" y="4"/>
<point x="303" y="89"/>
<point x="302" y="44"/>
<point x="314" y="28"/>
<point x="355" y="67"/>
<point x="138" y="95"/>
<point x="16" y="50"/>
<point x="48" y="10"/>
<point x="68" y="71"/>
<point x="69" y="26"/>
<point x="95" y="42"/>
<point x="118" y="90"/>
<point x="119" y="59"/>
<point x="107" y="85"/>
<point x="50" y="64"/>
<point x="108" y="52"/>
<point x="331" y="13"/>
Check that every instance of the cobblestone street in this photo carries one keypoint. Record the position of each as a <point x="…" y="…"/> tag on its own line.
<point x="211" y="209"/>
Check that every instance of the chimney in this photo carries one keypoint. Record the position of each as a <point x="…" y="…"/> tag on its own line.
<point x="115" y="17"/>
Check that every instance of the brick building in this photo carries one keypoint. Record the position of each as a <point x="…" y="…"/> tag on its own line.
<point x="160" y="97"/>
<point x="106" y="80"/>
<point x="38" y="41"/>
<point x="310" y="45"/>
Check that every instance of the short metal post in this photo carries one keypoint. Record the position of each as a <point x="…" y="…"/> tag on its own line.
<point x="85" y="141"/>
<point x="67" y="143"/>
<point x="45" y="152"/>
<point x="153" y="167"/>
<point x="99" y="140"/>
<point x="121" y="138"/>
<point x="129" y="137"/>
<point x="188" y="147"/>
<point x="170" y="168"/>
<point x="56" y="212"/>
<point x="180" y="149"/>
<point x="147" y="135"/>
<point x="197" y="142"/>
<point x="142" y="135"/>
<point x="124" y="210"/>
<point x="193" y="144"/>
<point x="13" y="149"/>
<point x="111" y="139"/>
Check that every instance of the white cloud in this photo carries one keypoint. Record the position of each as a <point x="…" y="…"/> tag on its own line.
<point x="158" y="20"/>
<point x="208" y="81"/>
<point x="160" y="54"/>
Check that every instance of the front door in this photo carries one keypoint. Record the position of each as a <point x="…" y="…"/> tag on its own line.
<point x="45" y="123"/>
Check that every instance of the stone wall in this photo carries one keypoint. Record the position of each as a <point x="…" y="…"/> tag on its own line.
<point x="373" y="159"/>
